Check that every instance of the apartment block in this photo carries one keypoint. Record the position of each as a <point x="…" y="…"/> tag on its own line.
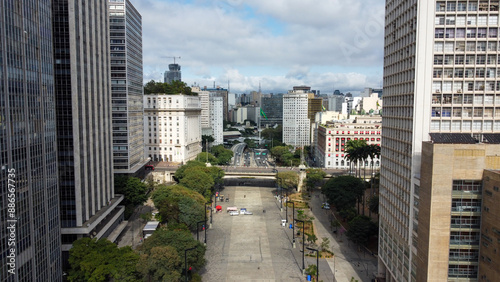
<point x="296" y="124"/>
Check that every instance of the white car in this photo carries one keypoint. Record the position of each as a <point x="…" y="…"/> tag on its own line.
<point x="248" y="213"/>
<point x="234" y="213"/>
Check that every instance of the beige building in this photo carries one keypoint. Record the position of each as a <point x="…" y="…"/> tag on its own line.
<point x="448" y="207"/>
<point x="489" y="260"/>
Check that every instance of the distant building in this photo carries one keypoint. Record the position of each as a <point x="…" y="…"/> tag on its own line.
<point x="296" y="124"/>
<point x="172" y="127"/>
<point x="272" y="107"/>
<point x="220" y="92"/>
<point x="216" y="119"/>
<point x="333" y="136"/>
<point x="335" y="103"/>
<point x="126" y="87"/>
<point x="173" y="73"/>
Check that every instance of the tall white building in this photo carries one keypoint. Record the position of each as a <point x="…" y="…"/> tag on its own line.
<point x="440" y="76"/>
<point x="216" y="119"/>
<point x="172" y="127"/>
<point x="296" y="124"/>
<point x="211" y="114"/>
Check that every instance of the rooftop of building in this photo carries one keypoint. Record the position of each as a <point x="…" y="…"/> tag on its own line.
<point x="464" y="138"/>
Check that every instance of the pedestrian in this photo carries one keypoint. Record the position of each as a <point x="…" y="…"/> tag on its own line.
<point x="244" y="196"/>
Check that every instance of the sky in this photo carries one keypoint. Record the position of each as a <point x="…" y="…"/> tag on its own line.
<point x="277" y="44"/>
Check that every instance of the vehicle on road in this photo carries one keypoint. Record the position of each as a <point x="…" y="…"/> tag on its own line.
<point x="234" y="213"/>
<point x="248" y="213"/>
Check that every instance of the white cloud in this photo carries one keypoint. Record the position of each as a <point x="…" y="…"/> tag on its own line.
<point x="232" y="39"/>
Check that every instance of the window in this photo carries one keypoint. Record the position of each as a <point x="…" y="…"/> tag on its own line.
<point x="492" y="32"/>
<point x="438" y="46"/>
<point x="492" y="20"/>
<point x="439" y="33"/>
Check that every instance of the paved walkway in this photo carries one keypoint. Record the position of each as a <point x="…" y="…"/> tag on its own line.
<point x="251" y="247"/>
<point x="348" y="261"/>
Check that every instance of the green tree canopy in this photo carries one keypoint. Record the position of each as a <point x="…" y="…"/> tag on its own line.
<point x="283" y="155"/>
<point x="222" y="154"/>
<point x="102" y="260"/>
<point x="178" y="204"/>
<point x="343" y="191"/>
<point x="179" y="173"/>
<point x="133" y="190"/>
<point x="287" y="179"/>
<point x="314" y="176"/>
<point x="176" y="87"/>
<point x="195" y="178"/>
<point x="162" y="263"/>
<point x="204" y="156"/>
<point x="361" y="228"/>
<point x="180" y="240"/>
<point x="273" y="133"/>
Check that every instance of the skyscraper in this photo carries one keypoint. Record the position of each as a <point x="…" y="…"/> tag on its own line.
<point x="83" y="113"/>
<point x="30" y="245"/>
<point x="126" y="86"/>
<point x="173" y="73"/>
<point x="296" y="124"/>
<point x="440" y="76"/>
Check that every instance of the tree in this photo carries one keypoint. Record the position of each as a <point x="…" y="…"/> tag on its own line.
<point x="102" y="260"/>
<point x="222" y="154"/>
<point x="343" y="191"/>
<point x="373" y="204"/>
<point x="177" y="204"/>
<point x="207" y="157"/>
<point x="355" y="151"/>
<point x="314" y="176"/>
<point x="197" y="180"/>
<point x="175" y="87"/>
<point x="361" y="228"/>
<point x="162" y="263"/>
<point x="205" y="139"/>
<point x="325" y="244"/>
<point x="134" y="192"/>
<point x="179" y="173"/>
<point x="180" y="239"/>
<point x="287" y="179"/>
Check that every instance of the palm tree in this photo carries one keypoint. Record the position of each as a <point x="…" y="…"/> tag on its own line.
<point x="354" y="152"/>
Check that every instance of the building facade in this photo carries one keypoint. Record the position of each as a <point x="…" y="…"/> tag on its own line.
<point x="296" y="124"/>
<point x="172" y="127"/>
<point x="216" y="119"/>
<point x="173" y="73"/>
<point x="452" y="66"/>
<point x="29" y="197"/>
<point x="333" y="136"/>
<point x="88" y="204"/>
<point x="126" y="87"/>
<point x="273" y="109"/>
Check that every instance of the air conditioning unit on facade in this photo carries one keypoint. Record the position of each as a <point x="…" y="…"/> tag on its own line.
<point x="459" y="91"/>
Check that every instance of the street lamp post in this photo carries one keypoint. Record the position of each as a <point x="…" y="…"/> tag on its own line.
<point x="286" y="207"/>
<point x="185" y="261"/>
<point x="317" y="262"/>
<point x="293" y="224"/>
<point x="303" y="243"/>
<point x="198" y="229"/>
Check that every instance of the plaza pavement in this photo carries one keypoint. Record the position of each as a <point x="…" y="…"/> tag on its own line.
<point x="258" y="248"/>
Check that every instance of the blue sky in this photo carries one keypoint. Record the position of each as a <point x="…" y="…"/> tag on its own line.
<point x="325" y="44"/>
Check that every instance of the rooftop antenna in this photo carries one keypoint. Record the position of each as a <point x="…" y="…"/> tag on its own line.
<point x="171" y="58"/>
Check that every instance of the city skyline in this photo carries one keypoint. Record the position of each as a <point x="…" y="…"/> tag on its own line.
<point x="329" y="45"/>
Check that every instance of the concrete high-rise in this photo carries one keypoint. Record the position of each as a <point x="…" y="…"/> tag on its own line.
<point x="89" y="207"/>
<point x="296" y="124"/>
<point x="29" y="197"/>
<point x="126" y="87"/>
<point x="440" y="77"/>
<point x="173" y="73"/>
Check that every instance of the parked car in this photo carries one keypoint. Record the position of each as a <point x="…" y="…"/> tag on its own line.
<point x="234" y="213"/>
<point x="248" y="213"/>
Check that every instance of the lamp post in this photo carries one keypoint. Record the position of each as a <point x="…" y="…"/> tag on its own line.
<point x="293" y="224"/>
<point x="303" y="243"/>
<point x="198" y="229"/>
<point x="185" y="261"/>
<point x="286" y="207"/>
<point x="281" y="198"/>
<point x="317" y="262"/>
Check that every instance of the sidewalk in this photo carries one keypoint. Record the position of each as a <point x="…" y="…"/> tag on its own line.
<point x="348" y="262"/>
